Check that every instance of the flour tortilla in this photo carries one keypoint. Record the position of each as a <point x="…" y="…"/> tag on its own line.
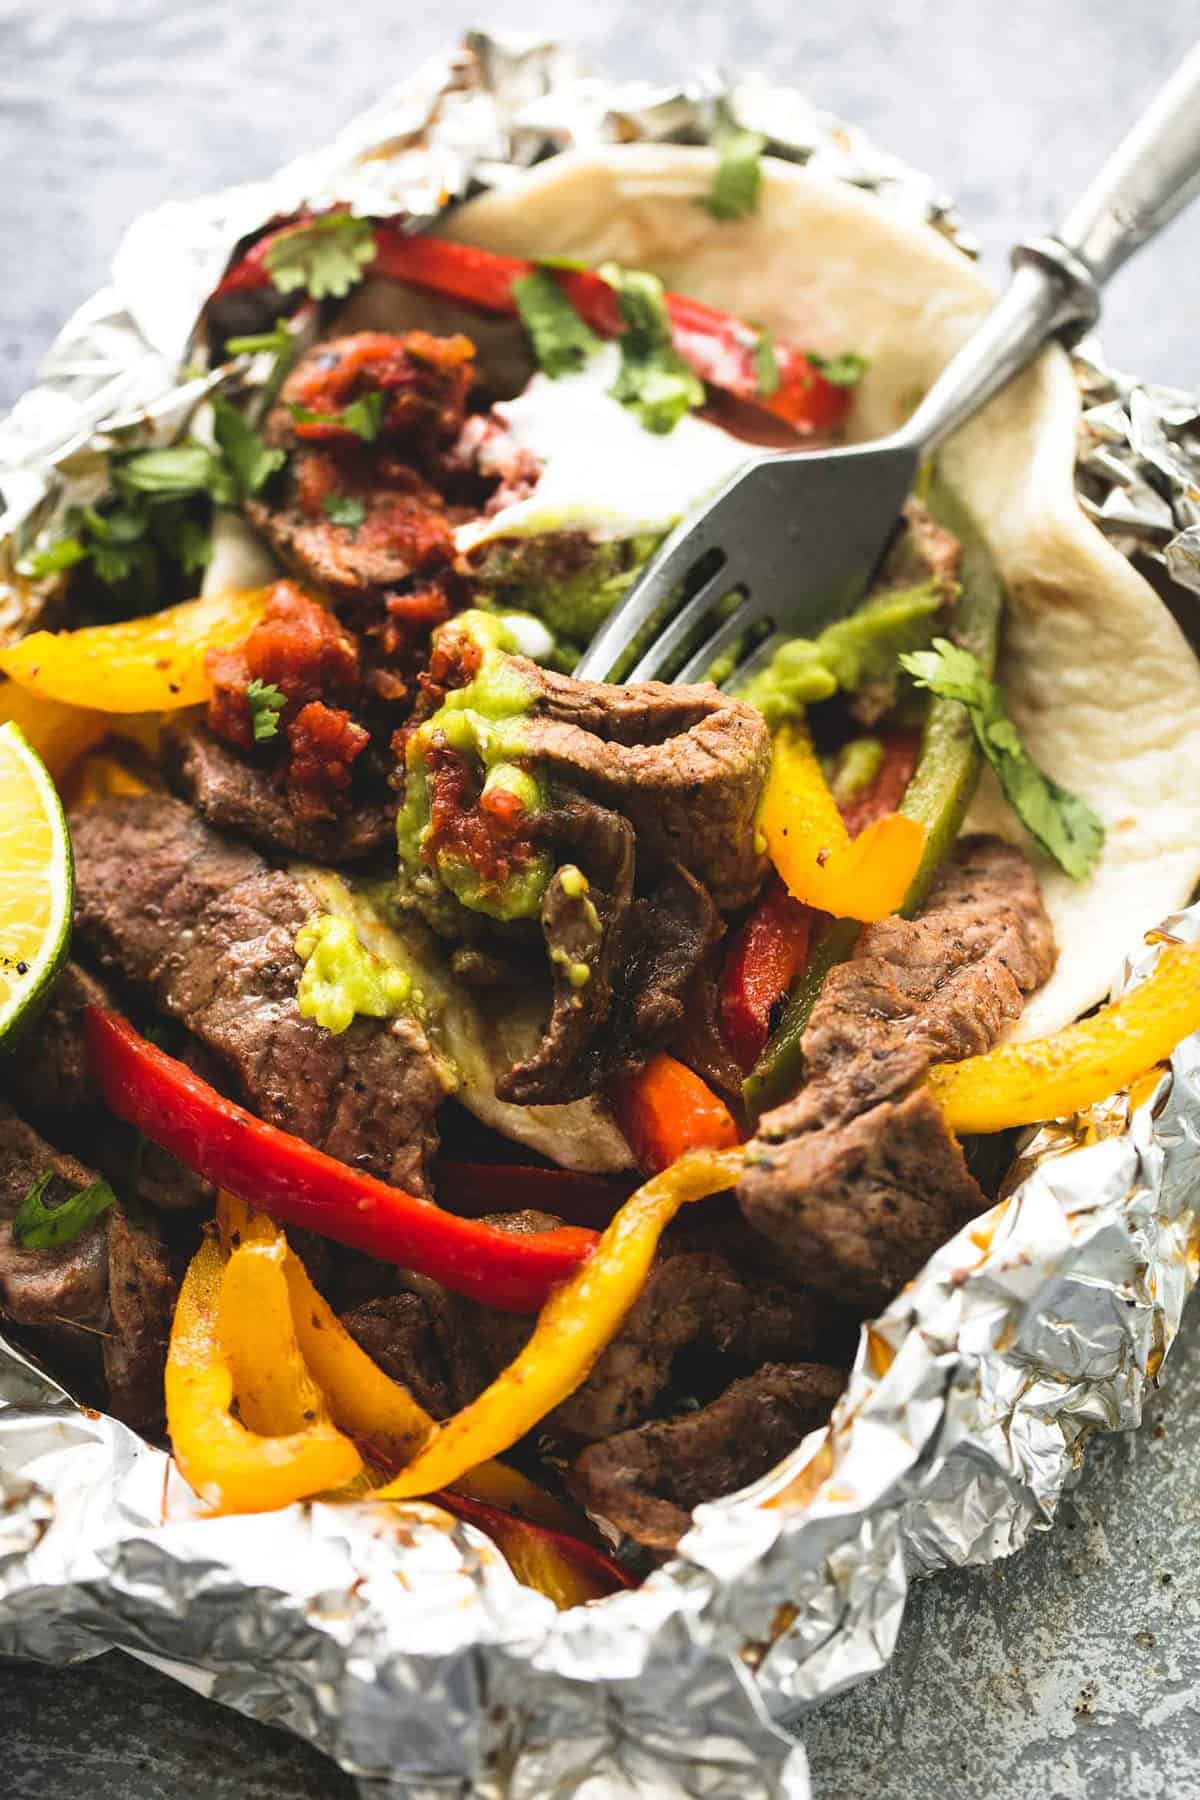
<point x="1103" y="686"/>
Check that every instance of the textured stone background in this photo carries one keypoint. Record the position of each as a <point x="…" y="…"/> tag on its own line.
<point x="1071" y="1672"/>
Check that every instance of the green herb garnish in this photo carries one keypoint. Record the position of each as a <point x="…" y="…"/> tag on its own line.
<point x="846" y="370"/>
<point x="654" y="381"/>
<point x="37" y="1226"/>
<point x="246" y="457"/>
<point x="266" y="702"/>
<point x="766" y="363"/>
<point x="737" y="183"/>
<point x="1061" y="822"/>
<point x="342" y="510"/>
<point x="261" y="343"/>
<point x="362" y="417"/>
<point x="326" y="257"/>
<point x="561" y="341"/>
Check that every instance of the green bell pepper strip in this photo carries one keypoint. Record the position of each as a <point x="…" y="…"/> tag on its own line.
<point x="938" y="795"/>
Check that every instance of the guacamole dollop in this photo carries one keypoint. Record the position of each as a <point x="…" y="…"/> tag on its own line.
<point x="847" y="655"/>
<point x="567" y="580"/>
<point x="482" y="721"/>
<point x="342" y="978"/>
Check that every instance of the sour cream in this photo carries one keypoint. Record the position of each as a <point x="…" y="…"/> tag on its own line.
<point x="602" y="471"/>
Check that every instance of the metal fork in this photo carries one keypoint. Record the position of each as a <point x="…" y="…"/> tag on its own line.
<point x="792" y="541"/>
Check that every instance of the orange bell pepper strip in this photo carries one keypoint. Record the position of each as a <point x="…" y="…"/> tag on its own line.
<point x="1050" y="1078"/>
<point x="232" y="1467"/>
<point x="151" y="664"/>
<point x="275" y="1392"/>
<point x="664" y="1110"/>
<point x="576" y="1324"/>
<point x="866" y="877"/>
<point x="566" y="1570"/>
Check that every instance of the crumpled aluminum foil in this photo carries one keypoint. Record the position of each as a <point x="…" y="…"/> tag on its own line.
<point x="396" y="1638"/>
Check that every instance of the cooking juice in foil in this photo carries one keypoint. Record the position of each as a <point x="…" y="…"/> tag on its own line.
<point x="397" y="1639"/>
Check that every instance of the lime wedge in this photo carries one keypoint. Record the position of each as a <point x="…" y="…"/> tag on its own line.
<point x="36" y="880"/>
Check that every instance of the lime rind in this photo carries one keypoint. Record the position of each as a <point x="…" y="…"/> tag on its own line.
<point x="20" y="1007"/>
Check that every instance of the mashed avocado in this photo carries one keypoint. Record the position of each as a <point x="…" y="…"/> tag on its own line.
<point x="568" y="580"/>
<point x="483" y="722"/>
<point x="847" y="655"/>
<point x="342" y="978"/>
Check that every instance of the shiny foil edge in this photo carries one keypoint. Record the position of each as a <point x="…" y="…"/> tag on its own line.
<point x="397" y="1640"/>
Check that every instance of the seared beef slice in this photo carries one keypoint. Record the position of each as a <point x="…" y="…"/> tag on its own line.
<point x="858" y="1180"/>
<point x="671" y="778"/>
<point x="647" y="1481"/>
<point x="209" y="930"/>
<point x="108" y="1296"/>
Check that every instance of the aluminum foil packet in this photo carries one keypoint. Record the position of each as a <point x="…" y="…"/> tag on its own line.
<point x="396" y="1638"/>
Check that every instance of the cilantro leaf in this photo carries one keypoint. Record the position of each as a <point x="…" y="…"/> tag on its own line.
<point x="1061" y="822"/>
<point x="63" y="555"/>
<point x="343" y="510"/>
<point x="187" y="468"/>
<point x="362" y="417"/>
<point x="326" y="257"/>
<point x="737" y="183"/>
<point x="766" y="363"/>
<point x="561" y="341"/>
<point x="654" y="381"/>
<point x="258" y="343"/>
<point x="266" y="702"/>
<point x="245" y="454"/>
<point x="37" y="1226"/>
<point x="846" y="370"/>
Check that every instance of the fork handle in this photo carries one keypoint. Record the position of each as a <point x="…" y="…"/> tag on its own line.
<point x="1055" y="289"/>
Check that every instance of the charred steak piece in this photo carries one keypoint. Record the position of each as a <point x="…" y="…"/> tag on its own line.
<point x="448" y="1349"/>
<point x="404" y="535"/>
<point x="52" y="1073"/>
<point x="685" y="765"/>
<point x="209" y="930"/>
<point x="107" y="1297"/>
<point x="858" y="1180"/>
<point x="240" y="797"/>
<point x="63" y="1291"/>
<point x="647" y="1481"/>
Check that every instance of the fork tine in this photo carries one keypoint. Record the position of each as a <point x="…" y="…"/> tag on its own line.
<point x="667" y="570"/>
<point x="674" y="637"/>
<point x="728" y="631"/>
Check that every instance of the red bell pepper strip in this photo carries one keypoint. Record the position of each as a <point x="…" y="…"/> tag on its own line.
<point x="763" y="961"/>
<point x="720" y="348"/>
<point x="565" y="1569"/>
<point x="477" y="1188"/>
<point x="665" y="1110"/>
<point x="884" y="793"/>
<point x="300" y="1185"/>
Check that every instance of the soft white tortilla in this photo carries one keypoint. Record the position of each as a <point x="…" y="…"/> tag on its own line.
<point x="1102" y="684"/>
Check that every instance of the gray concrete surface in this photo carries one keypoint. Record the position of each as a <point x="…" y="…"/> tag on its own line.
<point x="1069" y="1673"/>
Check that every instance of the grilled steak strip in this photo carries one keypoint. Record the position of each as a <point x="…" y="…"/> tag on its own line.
<point x="685" y="765"/>
<point x="235" y="795"/>
<point x="857" y="1180"/>
<point x="647" y="1481"/>
<point x="449" y="1349"/>
<point x="209" y="930"/>
<point x="63" y="1291"/>
<point x="107" y="1297"/>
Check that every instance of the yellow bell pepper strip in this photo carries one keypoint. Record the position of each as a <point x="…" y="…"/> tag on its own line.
<point x="274" y="1390"/>
<point x="59" y="734"/>
<point x="1050" y="1078"/>
<point x="362" y="1400"/>
<point x="864" y="878"/>
<point x="231" y="1467"/>
<point x="576" y="1324"/>
<point x="565" y="1569"/>
<point x="151" y="664"/>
